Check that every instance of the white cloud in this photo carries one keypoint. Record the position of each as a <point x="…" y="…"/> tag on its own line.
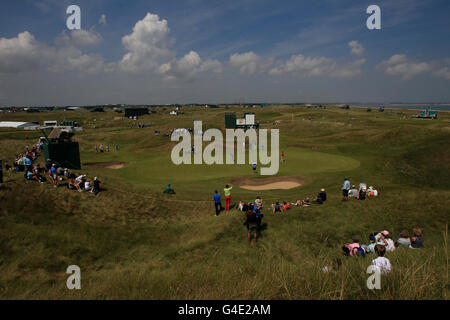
<point x="148" y="45"/>
<point x="356" y="48"/>
<point x="443" y="72"/>
<point x="102" y="20"/>
<point x="401" y="65"/>
<point x="250" y="63"/>
<point x="72" y="59"/>
<point x="80" y="38"/>
<point x="22" y="53"/>
<point x="188" y="66"/>
<point x="85" y="38"/>
<point x="301" y="66"/>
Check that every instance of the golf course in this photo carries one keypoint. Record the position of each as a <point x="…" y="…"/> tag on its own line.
<point x="132" y="241"/>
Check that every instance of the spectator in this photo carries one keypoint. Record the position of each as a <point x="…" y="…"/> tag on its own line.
<point x="227" y="192"/>
<point x="417" y="239"/>
<point x="252" y="223"/>
<point x="217" y="203"/>
<point x="321" y="197"/>
<point x="353" y="192"/>
<point x="52" y="175"/>
<point x="381" y="263"/>
<point x="403" y="240"/>
<point x="345" y="189"/>
<point x="96" y="186"/>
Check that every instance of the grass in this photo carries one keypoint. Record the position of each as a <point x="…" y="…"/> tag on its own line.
<point x="133" y="242"/>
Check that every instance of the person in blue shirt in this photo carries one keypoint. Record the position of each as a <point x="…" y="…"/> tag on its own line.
<point x="254" y="167"/>
<point x="217" y="203"/>
<point x="257" y="208"/>
<point x="52" y="174"/>
<point x="345" y="189"/>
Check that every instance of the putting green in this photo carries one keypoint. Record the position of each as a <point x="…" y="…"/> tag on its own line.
<point x="158" y="170"/>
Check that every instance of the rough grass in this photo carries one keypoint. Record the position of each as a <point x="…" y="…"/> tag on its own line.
<point x="133" y="242"/>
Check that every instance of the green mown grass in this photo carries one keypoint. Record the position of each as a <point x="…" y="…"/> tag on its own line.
<point x="133" y="242"/>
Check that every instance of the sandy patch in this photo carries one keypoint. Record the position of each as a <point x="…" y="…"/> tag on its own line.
<point x="109" y="165"/>
<point x="273" y="183"/>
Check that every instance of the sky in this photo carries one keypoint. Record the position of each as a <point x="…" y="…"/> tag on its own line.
<point x="211" y="51"/>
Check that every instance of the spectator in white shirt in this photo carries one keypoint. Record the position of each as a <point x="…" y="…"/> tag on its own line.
<point x="383" y="264"/>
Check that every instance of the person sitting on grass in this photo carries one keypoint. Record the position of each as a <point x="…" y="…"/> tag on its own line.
<point x="350" y="249"/>
<point x="302" y="203"/>
<point x="389" y="243"/>
<point x="321" y="196"/>
<point x="87" y="185"/>
<point x="417" y="239"/>
<point x="353" y="193"/>
<point x="72" y="185"/>
<point x="403" y="240"/>
<point x="277" y="207"/>
<point x="286" y="206"/>
<point x="169" y="190"/>
<point x="370" y="248"/>
<point x="96" y="186"/>
<point x="80" y="182"/>
<point x="37" y="176"/>
<point x="383" y="264"/>
<point x="252" y="224"/>
<point x="29" y="173"/>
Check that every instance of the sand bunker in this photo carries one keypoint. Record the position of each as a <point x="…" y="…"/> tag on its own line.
<point x="109" y="165"/>
<point x="273" y="183"/>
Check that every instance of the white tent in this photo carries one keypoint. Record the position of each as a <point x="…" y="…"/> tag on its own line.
<point x="17" y="124"/>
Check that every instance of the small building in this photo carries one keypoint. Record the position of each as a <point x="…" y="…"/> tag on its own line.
<point x="231" y="122"/>
<point x="50" y="123"/>
<point x="135" y="112"/>
<point x="427" y="114"/>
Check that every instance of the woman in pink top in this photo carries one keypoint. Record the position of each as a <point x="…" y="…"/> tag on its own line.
<point x="353" y="245"/>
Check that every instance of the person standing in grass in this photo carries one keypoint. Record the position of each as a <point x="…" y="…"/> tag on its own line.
<point x="227" y="192"/>
<point x="345" y="189"/>
<point x="52" y="175"/>
<point x="217" y="203"/>
<point x="383" y="264"/>
<point x="252" y="224"/>
<point x="282" y="156"/>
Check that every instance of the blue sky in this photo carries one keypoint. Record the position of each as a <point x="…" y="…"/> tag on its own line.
<point x="223" y="51"/>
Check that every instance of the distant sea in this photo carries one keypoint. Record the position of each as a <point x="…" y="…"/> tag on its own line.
<point x="443" y="107"/>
